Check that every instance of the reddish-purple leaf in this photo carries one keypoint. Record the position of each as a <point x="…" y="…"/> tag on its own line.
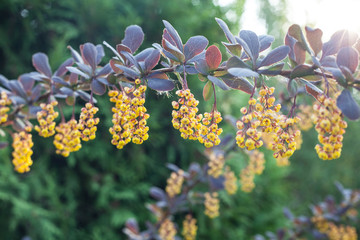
<point x="97" y="87"/>
<point x="100" y="53"/>
<point x="213" y="57"/>
<point x="113" y="63"/>
<point x="275" y="56"/>
<point x="238" y="83"/>
<point x="194" y="46"/>
<point x="17" y="88"/>
<point x="312" y="89"/>
<point x="348" y="57"/>
<point x="59" y="80"/>
<point x="328" y="61"/>
<point x="131" y="59"/>
<point x="265" y="42"/>
<point x="173" y="50"/>
<point x="300" y="53"/>
<point x="89" y="54"/>
<point x="27" y="81"/>
<point x="273" y="70"/>
<point x="78" y="72"/>
<point x="104" y="70"/>
<point x="347" y="104"/>
<point x="134" y="36"/>
<point x="157" y="193"/>
<point x="242" y="72"/>
<point x="144" y="54"/>
<point x="128" y="71"/>
<point x="159" y="84"/>
<point x="120" y="48"/>
<point x="41" y="63"/>
<point x="174" y="34"/>
<point x="234" y="49"/>
<point x="4" y="81"/>
<point x="252" y="41"/>
<point x="166" y="35"/>
<point x="85" y="96"/>
<point x="208" y="91"/>
<point x="75" y="55"/>
<point x="132" y="226"/>
<point x="202" y="66"/>
<point x="152" y="60"/>
<point x="314" y="38"/>
<point x="236" y="62"/>
<point x="62" y="69"/>
<point x="339" y="39"/>
<point x="301" y="71"/>
<point x="36" y="91"/>
<point x="290" y="41"/>
<point x="218" y="82"/>
<point x="337" y="74"/>
<point x="226" y="30"/>
<point x="296" y="32"/>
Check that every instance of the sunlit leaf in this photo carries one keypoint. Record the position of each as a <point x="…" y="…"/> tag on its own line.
<point x="213" y="57"/>
<point x="226" y="30"/>
<point x="194" y="46"/>
<point x="347" y="104"/>
<point x="208" y="91"/>
<point x="314" y="38"/>
<point x="252" y="46"/>
<point x="275" y="56"/>
<point x="348" y="57"/>
<point x="174" y="34"/>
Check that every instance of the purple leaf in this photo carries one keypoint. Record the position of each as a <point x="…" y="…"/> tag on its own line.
<point x="348" y="57"/>
<point x="143" y="54"/>
<point x="339" y="39"/>
<point x="194" y="46"/>
<point x="17" y="88"/>
<point x="85" y="68"/>
<point x="242" y="72"/>
<point x="152" y="60"/>
<point x="290" y="41"/>
<point x="300" y="53"/>
<point x="62" y="69"/>
<point x="128" y="71"/>
<point x="78" y="72"/>
<point x="226" y="30"/>
<point x="265" y="42"/>
<point x="174" y="34"/>
<point x="311" y="89"/>
<point x="120" y="48"/>
<point x="160" y="84"/>
<point x="213" y="57"/>
<point x="36" y="91"/>
<point x="292" y="88"/>
<point x="76" y="56"/>
<point x="275" y="56"/>
<point x="252" y="42"/>
<point x="103" y="81"/>
<point x="41" y="63"/>
<point x="218" y="82"/>
<point x="314" y="38"/>
<point x="66" y="91"/>
<point x="296" y="32"/>
<point x="27" y="81"/>
<point x="104" y="70"/>
<point x="236" y="62"/>
<point x="97" y="87"/>
<point x="60" y="81"/>
<point x="202" y="67"/>
<point x="302" y="71"/>
<point x="100" y="53"/>
<point x="207" y="91"/>
<point x="89" y="53"/>
<point x="157" y="193"/>
<point x="348" y="105"/>
<point x="337" y="74"/>
<point x="173" y="50"/>
<point x="238" y="83"/>
<point x="233" y="49"/>
<point x="328" y="61"/>
<point x="4" y="81"/>
<point x="134" y="36"/>
<point x="273" y="70"/>
<point x="85" y="96"/>
<point x="131" y="59"/>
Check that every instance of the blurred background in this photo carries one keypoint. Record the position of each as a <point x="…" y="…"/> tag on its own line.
<point x="92" y="193"/>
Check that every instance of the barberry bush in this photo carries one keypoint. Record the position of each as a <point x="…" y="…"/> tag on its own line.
<point x="320" y="78"/>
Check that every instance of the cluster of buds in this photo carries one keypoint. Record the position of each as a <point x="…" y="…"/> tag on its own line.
<point x="185" y="116"/>
<point x="174" y="183"/>
<point x="261" y="116"/>
<point x="330" y="127"/>
<point x="46" y="119"/>
<point x="284" y="140"/>
<point x="129" y="116"/>
<point x="189" y="228"/>
<point x="305" y="113"/>
<point x="212" y="204"/>
<point x="209" y="131"/>
<point x="230" y="182"/>
<point x="22" y="144"/>
<point x="167" y="230"/>
<point x="4" y="109"/>
<point x="216" y="163"/>
<point x="87" y="122"/>
<point x="67" y="139"/>
<point x="333" y="231"/>
<point x="255" y="167"/>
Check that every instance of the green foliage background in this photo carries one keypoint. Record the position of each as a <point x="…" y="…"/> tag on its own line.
<point x="93" y="192"/>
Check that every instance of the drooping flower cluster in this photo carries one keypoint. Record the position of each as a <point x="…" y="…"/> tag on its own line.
<point x="230" y="182"/>
<point x="46" y="119"/>
<point x="261" y="116"/>
<point x="333" y="231"/>
<point x="22" y="144"/>
<point x="209" y="132"/>
<point x="216" y="164"/>
<point x="255" y="166"/>
<point x="67" y="139"/>
<point x="189" y="228"/>
<point x="167" y="230"/>
<point x="330" y="127"/>
<point x="212" y="204"/>
<point x="129" y="116"/>
<point x="87" y="122"/>
<point x="4" y="109"/>
<point x="174" y="183"/>
<point x="185" y="117"/>
<point x="305" y="114"/>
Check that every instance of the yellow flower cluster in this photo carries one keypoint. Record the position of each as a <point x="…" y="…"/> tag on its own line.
<point x="46" y="119"/>
<point x="284" y="144"/>
<point x="212" y="204"/>
<point x="4" y="109"/>
<point x="256" y="166"/>
<point x="216" y="164"/>
<point x="330" y="127"/>
<point x="87" y="122"/>
<point x="174" y="183"/>
<point x="129" y="116"/>
<point x="185" y="116"/>
<point x="67" y="139"/>
<point x="261" y="116"/>
<point x="305" y="114"/>
<point x="341" y="232"/>
<point x="167" y="230"/>
<point x="22" y="144"/>
<point x="189" y="228"/>
<point x="209" y="131"/>
<point x="230" y="182"/>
